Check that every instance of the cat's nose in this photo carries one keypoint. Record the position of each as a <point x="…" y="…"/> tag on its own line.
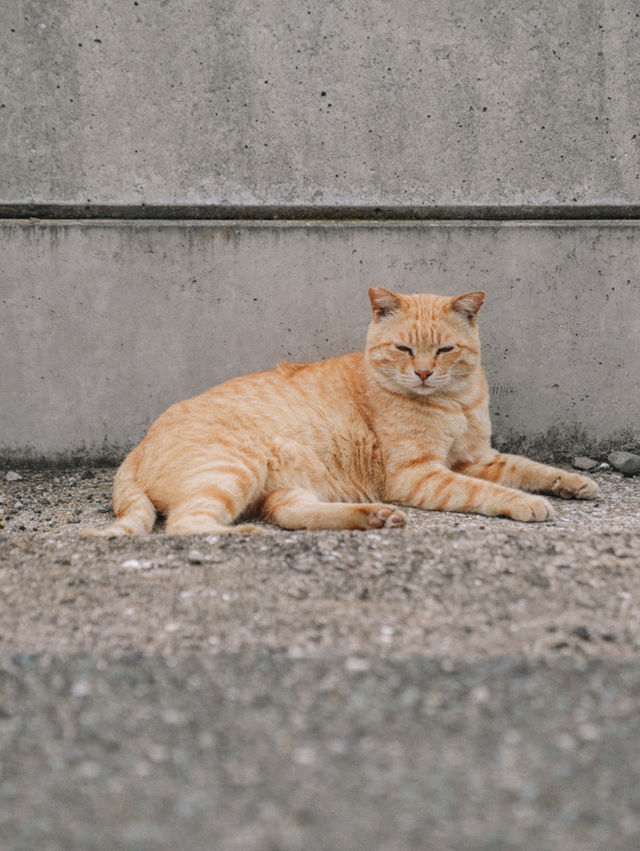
<point x="423" y="373"/>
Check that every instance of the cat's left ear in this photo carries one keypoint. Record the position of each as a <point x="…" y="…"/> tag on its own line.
<point x="468" y="304"/>
<point x="383" y="302"/>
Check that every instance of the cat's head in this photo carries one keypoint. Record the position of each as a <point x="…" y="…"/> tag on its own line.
<point x="422" y="344"/>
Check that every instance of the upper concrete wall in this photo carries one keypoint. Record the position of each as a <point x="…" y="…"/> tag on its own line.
<point x="415" y="102"/>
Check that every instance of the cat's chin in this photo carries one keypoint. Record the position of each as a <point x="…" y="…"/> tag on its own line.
<point x="422" y="391"/>
<point x="415" y="391"/>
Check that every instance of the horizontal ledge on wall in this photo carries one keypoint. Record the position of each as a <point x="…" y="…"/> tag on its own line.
<point x="217" y="212"/>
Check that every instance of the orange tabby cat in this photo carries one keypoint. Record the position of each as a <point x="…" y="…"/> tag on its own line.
<point x="322" y="445"/>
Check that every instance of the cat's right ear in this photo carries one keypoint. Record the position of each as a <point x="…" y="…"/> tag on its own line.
<point x="383" y="302"/>
<point x="468" y="304"/>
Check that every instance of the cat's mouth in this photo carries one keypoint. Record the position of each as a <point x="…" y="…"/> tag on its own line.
<point x="408" y="386"/>
<point x="426" y="388"/>
<point x="431" y="380"/>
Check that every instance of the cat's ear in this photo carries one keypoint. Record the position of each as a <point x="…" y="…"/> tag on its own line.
<point x="468" y="304"/>
<point x="383" y="302"/>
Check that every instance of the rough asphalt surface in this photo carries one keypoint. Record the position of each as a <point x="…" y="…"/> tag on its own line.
<point x="466" y="683"/>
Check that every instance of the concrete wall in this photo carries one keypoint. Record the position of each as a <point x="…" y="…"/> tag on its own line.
<point x="174" y="108"/>
<point x="105" y="324"/>
<point x="342" y="102"/>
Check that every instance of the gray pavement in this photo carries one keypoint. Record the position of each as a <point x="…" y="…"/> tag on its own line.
<point x="468" y="683"/>
<point x="259" y="751"/>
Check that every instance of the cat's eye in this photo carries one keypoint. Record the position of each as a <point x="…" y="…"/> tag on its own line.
<point x="406" y="349"/>
<point x="444" y="349"/>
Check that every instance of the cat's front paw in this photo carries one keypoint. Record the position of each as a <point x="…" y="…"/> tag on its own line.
<point x="530" y="509"/>
<point x="573" y="486"/>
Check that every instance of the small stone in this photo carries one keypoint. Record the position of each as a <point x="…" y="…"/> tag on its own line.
<point x="566" y="742"/>
<point x="88" y="474"/>
<point x="297" y="593"/>
<point x="535" y="577"/>
<point x="356" y="664"/>
<point x="132" y="563"/>
<point x="81" y="688"/>
<point x="12" y="476"/>
<point x="588" y="732"/>
<point x="582" y="633"/>
<point x="174" y="717"/>
<point x="386" y="634"/>
<point x="480" y="694"/>
<point x="90" y="769"/>
<point x="305" y="755"/>
<point x="625" y="462"/>
<point x="195" y="557"/>
<point x="584" y="463"/>
<point x="158" y="753"/>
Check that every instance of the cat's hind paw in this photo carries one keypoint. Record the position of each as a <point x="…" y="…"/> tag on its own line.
<point x="386" y="516"/>
<point x="530" y="509"/>
<point x="247" y="529"/>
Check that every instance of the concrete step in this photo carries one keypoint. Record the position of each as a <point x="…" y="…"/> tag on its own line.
<point x="106" y="323"/>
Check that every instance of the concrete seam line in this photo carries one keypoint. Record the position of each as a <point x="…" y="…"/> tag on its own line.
<point x="217" y="212"/>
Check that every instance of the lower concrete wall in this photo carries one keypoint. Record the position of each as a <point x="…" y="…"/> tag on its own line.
<point x="104" y="324"/>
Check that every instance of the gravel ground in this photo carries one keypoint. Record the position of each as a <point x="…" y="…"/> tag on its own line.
<point x="58" y="501"/>
<point x="466" y="683"/>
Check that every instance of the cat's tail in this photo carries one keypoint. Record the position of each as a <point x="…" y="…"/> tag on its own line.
<point x="135" y="513"/>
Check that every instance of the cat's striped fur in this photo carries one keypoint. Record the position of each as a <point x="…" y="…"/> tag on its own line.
<point x="327" y="445"/>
